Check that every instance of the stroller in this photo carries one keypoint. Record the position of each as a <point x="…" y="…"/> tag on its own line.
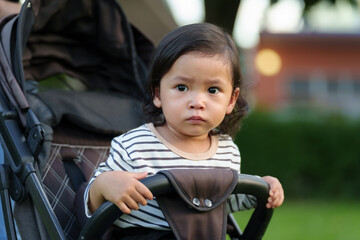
<point x="61" y="63"/>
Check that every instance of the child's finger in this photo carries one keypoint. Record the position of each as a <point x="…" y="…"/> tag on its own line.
<point x="139" y="198"/>
<point x="144" y="191"/>
<point x="271" y="193"/>
<point x="124" y="208"/>
<point x="278" y="199"/>
<point x="131" y="203"/>
<point x="141" y="188"/>
<point x="139" y="175"/>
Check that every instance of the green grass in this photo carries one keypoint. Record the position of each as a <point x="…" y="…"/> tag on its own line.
<point x="311" y="220"/>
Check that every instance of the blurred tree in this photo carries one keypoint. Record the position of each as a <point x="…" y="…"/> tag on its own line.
<point x="308" y="4"/>
<point x="223" y="12"/>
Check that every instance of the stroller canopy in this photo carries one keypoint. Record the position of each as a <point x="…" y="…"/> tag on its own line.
<point x="87" y="42"/>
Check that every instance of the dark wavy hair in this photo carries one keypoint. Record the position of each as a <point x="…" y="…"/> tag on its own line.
<point x="204" y="38"/>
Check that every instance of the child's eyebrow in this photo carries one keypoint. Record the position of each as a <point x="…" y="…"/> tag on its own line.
<point x="215" y="81"/>
<point x="208" y="81"/>
<point x="183" y="78"/>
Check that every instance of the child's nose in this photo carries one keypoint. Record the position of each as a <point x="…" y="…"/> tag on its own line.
<point x="197" y="101"/>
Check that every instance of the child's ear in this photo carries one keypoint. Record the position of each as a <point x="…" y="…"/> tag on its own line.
<point x="156" y="99"/>
<point x="233" y="100"/>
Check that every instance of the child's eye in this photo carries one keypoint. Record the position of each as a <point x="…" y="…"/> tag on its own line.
<point x="213" y="90"/>
<point x="182" y="88"/>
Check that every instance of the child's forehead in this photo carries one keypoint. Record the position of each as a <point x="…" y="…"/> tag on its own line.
<point x="200" y="56"/>
<point x="197" y="65"/>
<point x="195" y="58"/>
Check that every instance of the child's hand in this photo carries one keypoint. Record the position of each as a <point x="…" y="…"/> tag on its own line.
<point x="121" y="188"/>
<point x="276" y="193"/>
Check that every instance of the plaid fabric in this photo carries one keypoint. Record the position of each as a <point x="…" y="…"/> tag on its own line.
<point x="57" y="185"/>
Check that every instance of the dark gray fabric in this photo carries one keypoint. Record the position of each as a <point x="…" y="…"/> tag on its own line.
<point x="198" y="208"/>
<point x="8" y="83"/>
<point x="101" y="112"/>
<point x="6" y="37"/>
<point x="95" y="44"/>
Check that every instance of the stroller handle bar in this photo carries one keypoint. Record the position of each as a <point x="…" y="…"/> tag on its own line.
<point x="159" y="184"/>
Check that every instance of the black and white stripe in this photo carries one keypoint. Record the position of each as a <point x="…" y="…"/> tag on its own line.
<point x="140" y="150"/>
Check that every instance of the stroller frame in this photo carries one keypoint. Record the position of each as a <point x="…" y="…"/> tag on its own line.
<point x="22" y="138"/>
<point x="18" y="172"/>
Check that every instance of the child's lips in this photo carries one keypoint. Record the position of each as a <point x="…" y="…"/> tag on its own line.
<point x="195" y="119"/>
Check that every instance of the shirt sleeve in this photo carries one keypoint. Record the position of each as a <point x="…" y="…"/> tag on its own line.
<point x="118" y="160"/>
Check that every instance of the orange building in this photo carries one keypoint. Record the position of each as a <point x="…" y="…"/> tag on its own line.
<point x="307" y="69"/>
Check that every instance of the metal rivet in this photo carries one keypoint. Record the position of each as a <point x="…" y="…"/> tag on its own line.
<point x="196" y="202"/>
<point x="208" y="203"/>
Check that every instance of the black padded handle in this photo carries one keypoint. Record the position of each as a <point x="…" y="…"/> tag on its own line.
<point x="158" y="184"/>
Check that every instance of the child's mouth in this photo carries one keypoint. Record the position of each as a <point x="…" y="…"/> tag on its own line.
<point x="195" y="119"/>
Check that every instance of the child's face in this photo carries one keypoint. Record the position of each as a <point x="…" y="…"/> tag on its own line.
<point x="196" y="94"/>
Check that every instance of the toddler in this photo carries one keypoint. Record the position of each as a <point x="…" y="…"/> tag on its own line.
<point x="194" y="105"/>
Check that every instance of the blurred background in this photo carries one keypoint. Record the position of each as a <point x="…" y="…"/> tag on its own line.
<point x="300" y="61"/>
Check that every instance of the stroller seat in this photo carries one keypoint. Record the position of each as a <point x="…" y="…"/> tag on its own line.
<point x="54" y="138"/>
<point x="71" y="163"/>
<point x="66" y="130"/>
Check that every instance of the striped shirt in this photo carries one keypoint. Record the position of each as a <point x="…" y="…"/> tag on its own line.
<point x="144" y="150"/>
